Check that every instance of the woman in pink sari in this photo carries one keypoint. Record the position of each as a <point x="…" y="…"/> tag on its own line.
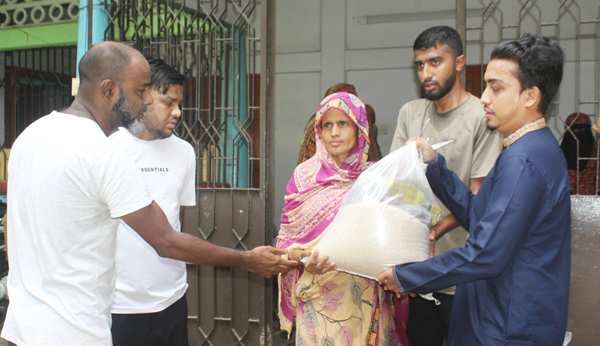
<point x="330" y="307"/>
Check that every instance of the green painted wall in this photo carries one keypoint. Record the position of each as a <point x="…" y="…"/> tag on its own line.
<point x="39" y="36"/>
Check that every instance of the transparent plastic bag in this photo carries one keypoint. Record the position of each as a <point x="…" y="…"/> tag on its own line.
<point x="384" y="219"/>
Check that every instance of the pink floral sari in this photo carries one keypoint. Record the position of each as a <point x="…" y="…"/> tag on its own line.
<point x="335" y="308"/>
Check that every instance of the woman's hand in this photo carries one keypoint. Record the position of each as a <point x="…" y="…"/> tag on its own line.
<point x="297" y="256"/>
<point x="317" y="268"/>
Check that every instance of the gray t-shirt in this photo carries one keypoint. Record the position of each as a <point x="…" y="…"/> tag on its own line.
<point x="471" y="155"/>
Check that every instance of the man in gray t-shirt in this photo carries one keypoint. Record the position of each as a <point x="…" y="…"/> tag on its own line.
<point x="448" y="112"/>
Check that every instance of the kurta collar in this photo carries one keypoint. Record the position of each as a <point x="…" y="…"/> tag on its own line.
<point x="532" y="126"/>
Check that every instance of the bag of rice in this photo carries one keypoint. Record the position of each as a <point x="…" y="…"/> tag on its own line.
<point x="384" y="219"/>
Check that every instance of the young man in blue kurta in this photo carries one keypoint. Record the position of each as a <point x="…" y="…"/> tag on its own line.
<point x="513" y="275"/>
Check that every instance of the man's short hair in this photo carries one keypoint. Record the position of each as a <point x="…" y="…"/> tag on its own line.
<point x="540" y="64"/>
<point x="163" y="75"/>
<point x="439" y="35"/>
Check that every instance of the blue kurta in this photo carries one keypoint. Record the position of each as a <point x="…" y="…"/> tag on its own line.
<point x="513" y="275"/>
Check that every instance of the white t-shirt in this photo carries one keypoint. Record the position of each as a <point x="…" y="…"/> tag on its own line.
<point x="68" y="186"/>
<point x="146" y="282"/>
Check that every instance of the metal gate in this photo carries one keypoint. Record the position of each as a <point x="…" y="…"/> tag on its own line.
<point x="216" y="46"/>
<point x="36" y="82"/>
<point x="574" y="24"/>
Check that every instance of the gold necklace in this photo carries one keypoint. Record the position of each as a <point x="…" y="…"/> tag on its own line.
<point x="532" y="126"/>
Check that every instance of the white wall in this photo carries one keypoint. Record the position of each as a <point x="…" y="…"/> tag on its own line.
<point x="369" y="44"/>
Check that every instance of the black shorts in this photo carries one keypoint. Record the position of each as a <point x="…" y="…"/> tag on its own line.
<point x="163" y="328"/>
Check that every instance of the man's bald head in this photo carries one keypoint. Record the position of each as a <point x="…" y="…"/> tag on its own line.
<point x="106" y="60"/>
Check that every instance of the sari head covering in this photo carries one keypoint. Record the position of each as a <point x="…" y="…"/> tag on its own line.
<point x="308" y="146"/>
<point x="315" y="193"/>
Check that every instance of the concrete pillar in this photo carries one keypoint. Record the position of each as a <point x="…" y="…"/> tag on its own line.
<point x="99" y="24"/>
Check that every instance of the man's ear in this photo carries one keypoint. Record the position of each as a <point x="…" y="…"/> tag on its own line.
<point x="109" y="90"/>
<point x="460" y="61"/>
<point x="534" y="97"/>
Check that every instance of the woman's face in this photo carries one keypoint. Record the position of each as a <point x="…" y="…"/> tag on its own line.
<point x="339" y="134"/>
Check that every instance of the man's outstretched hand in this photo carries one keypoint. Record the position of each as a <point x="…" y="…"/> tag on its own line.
<point x="266" y="262"/>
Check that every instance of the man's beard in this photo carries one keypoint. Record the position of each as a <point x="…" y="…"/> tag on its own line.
<point x="487" y="123"/>
<point x="136" y="127"/>
<point x="444" y="90"/>
<point x="121" y="110"/>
